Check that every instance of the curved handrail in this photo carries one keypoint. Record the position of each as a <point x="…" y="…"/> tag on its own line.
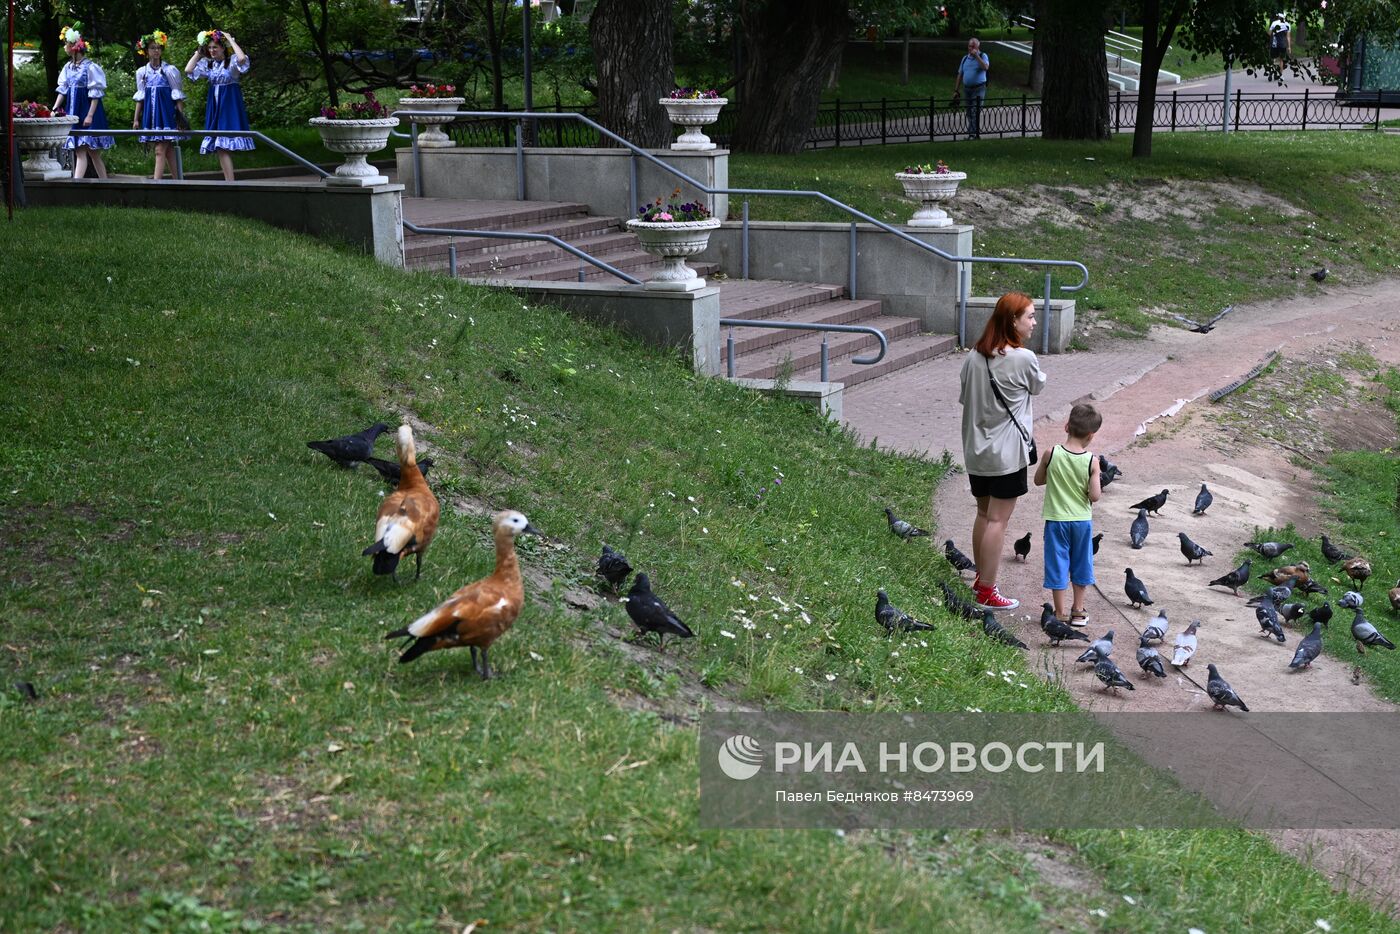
<point x="521" y="116"/>
<point x="254" y="134"/>
<point x="518" y="235"/>
<point x="806" y="326"/>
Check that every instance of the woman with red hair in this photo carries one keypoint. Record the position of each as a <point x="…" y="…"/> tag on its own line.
<point x="998" y="378"/>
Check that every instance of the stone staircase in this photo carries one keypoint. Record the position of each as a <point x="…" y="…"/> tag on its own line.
<point x="760" y="353"/>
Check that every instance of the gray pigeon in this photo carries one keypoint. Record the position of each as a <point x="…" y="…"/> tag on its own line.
<point x="1331" y="552"/>
<point x="1276" y="595"/>
<point x="1152" y="504"/>
<point x="1221" y="693"/>
<point x="1097" y="538"/>
<point x="1203" y="501"/>
<point x="892" y="617"/>
<point x="1149" y="661"/>
<point x="1290" y="612"/>
<point x="997" y="631"/>
<point x="1111" y="676"/>
<point x="1321" y="614"/>
<point x="1022" y="546"/>
<point x="1366" y="634"/>
<point x="1108" y="472"/>
<point x="613" y="566"/>
<point x="956" y="558"/>
<point x="1137" y="532"/>
<point x="1099" y="648"/>
<point x="1308" y="649"/>
<point x="1135" y="589"/>
<point x="1056" y="630"/>
<point x="1156" y="630"/>
<point x="1318" y="275"/>
<point x="1351" y="600"/>
<point x="1185" y="645"/>
<point x="1190" y="550"/>
<point x="349" y="450"/>
<point x="1234" y="580"/>
<point x="901" y="528"/>
<point x="1269" y="550"/>
<point x="1267" y="614"/>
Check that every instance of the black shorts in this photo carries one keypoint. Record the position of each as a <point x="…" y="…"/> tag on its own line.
<point x="1007" y="486"/>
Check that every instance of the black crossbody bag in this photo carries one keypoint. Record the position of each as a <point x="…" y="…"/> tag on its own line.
<point x="1033" y="454"/>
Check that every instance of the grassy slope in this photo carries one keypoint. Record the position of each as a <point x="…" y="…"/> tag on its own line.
<point x="221" y="725"/>
<point x="1249" y="254"/>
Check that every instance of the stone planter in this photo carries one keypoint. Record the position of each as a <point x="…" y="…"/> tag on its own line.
<point x="930" y="189"/>
<point x="355" y="139"/>
<point x="692" y="115"/>
<point x="672" y="242"/>
<point x="433" y="137"/>
<point x="39" y="136"/>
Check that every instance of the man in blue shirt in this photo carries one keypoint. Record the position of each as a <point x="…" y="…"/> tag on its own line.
<point x="972" y="81"/>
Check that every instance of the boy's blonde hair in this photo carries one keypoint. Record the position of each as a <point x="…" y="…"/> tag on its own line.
<point x="1084" y="420"/>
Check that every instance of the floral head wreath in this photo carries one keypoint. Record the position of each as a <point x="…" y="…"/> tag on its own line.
<point x="210" y="35"/>
<point x="156" y="36"/>
<point x="69" y="35"/>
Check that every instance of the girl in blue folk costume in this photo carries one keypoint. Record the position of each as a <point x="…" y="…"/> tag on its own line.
<point x="159" y="99"/>
<point x="221" y="61"/>
<point x="81" y="87"/>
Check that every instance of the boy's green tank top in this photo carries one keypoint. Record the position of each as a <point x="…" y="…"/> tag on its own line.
<point x="1067" y="486"/>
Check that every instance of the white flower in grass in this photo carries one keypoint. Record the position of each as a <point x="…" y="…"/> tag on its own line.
<point x="831" y="677"/>
<point x="537" y="656"/>
<point x="973" y="709"/>
<point x="753" y="597"/>
<point x="736" y="582"/>
<point x="1194" y="931"/>
<point x="894" y="655"/>
<point x="1130" y="900"/>
<point x="767" y="568"/>
<point x="690" y="499"/>
<point x="705" y="530"/>
<point x="694" y="510"/>
<point x="749" y="624"/>
<point x="1323" y="924"/>
<point x="727" y="634"/>
<point x="797" y="671"/>
<point x="923" y="644"/>
<point x="806" y="619"/>
<point x="1098" y="912"/>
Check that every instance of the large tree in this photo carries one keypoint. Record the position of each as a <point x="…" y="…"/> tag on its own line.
<point x="789" y="48"/>
<point x="1074" y="104"/>
<point x="1160" y="19"/>
<point x="632" y="45"/>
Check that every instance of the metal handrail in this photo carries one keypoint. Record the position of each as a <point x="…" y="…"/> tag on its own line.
<point x="179" y="168"/>
<point x="516" y="235"/>
<point x="732" y="323"/>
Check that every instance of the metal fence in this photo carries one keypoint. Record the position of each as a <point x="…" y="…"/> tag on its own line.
<point x="875" y="122"/>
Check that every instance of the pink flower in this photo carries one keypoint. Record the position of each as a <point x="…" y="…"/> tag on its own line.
<point x="663" y="216"/>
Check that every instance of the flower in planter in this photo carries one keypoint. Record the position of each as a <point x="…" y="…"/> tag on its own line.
<point x="927" y="169"/>
<point x="656" y="212"/>
<point x="692" y="94"/>
<point x="432" y="90"/>
<point x="23" y="110"/>
<point x="367" y="109"/>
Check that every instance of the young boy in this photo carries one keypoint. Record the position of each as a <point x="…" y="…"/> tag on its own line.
<point x="1070" y="475"/>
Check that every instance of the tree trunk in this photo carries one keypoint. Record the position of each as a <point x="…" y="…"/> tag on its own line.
<point x="633" y="46"/>
<point x="904" y="60"/>
<point x="1074" y="104"/>
<point x="50" y="48"/>
<point x="1038" y="48"/>
<point x="790" y="47"/>
<point x="1158" y="28"/>
<point x="320" y="38"/>
<point x="493" y="45"/>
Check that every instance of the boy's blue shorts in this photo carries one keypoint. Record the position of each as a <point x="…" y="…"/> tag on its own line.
<point x="1069" y="554"/>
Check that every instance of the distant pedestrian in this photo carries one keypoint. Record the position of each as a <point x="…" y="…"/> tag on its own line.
<point x="220" y="60"/>
<point x="81" y="86"/>
<point x="1280" y="39"/>
<point x="972" y="82"/>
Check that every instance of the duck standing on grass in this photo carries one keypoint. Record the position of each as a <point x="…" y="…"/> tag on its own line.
<point x="408" y="517"/>
<point x="481" y="612"/>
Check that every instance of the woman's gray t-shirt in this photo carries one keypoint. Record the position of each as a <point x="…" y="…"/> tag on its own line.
<point x="992" y="445"/>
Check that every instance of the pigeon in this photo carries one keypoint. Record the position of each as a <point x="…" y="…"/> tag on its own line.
<point x="350" y="449"/>
<point x="1111" y="676"/>
<point x="26" y="691"/>
<point x="997" y="631"/>
<point x="1191" y="551"/>
<point x="1394" y="597"/>
<point x="1366" y="634"/>
<point x="1269" y="550"/>
<point x="1156" y="630"/>
<point x="1308" y="649"/>
<point x="892" y="617"/>
<point x="1108" y="472"/>
<point x="1137" y="532"/>
<point x="1203" y="501"/>
<point x="1331" y="552"/>
<point x="1221" y="693"/>
<point x="956" y="558"/>
<point x="1149" y="661"/>
<point x="1321" y="614"/>
<point x="651" y="614"/>
<point x="1058" y="632"/>
<point x="1351" y="600"/>
<point x="1302" y="571"/>
<point x="903" y="529"/>
<point x="1136" y="590"/>
<point x="1275" y="595"/>
<point x="1204" y="327"/>
<point x="1152" y="504"/>
<point x="1309" y="587"/>
<point x="1318" y="275"/>
<point x="1022" y="546"/>
<point x="1097" y="538"/>
<point x="1098" y="649"/>
<point x="613" y="567"/>
<point x="1185" y="645"/>
<point x="1267" y="614"/>
<point x="1234" y="580"/>
<point x="1047" y="613"/>
<point x="1290" y="612"/>
<point x="390" y="470"/>
<point x="1358" y="569"/>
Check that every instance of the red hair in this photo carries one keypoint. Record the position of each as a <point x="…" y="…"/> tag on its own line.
<point x="1000" y="332"/>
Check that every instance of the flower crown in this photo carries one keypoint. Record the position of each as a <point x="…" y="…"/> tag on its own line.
<point x="69" y="35"/>
<point x="156" y="36"/>
<point x="210" y="35"/>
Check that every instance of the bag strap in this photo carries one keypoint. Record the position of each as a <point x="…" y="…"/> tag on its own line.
<point x="1002" y="399"/>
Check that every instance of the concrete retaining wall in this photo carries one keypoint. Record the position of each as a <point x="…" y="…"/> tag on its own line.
<point x="1061" y="321"/>
<point x="368" y="218"/>
<point x="600" y="178"/>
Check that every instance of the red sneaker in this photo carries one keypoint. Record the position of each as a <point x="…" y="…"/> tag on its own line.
<point x="989" y="598"/>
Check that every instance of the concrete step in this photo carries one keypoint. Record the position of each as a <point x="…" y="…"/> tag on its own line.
<point x="487" y="215"/>
<point x="531" y="254"/>
<point x="839" y="311"/>
<point x="804" y="353"/>
<point x="902" y="353"/>
<point x="567" y="229"/>
<point x="760" y="298"/>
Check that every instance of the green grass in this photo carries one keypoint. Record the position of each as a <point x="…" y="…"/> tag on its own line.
<point x="1228" y="253"/>
<point x="223" y="739"/>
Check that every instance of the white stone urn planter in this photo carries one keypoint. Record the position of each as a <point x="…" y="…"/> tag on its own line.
<point x="39" y="136"/>
<point x="446" y="111"/>
<point x="692" y="114"/>
<point x="355" y="139"/>
<point x="672" y="242"/>
<point x="930" y="188"/>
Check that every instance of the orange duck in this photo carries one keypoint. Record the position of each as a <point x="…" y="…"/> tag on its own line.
<point x="408" y="517"/>
<point x="479" y="613"/>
